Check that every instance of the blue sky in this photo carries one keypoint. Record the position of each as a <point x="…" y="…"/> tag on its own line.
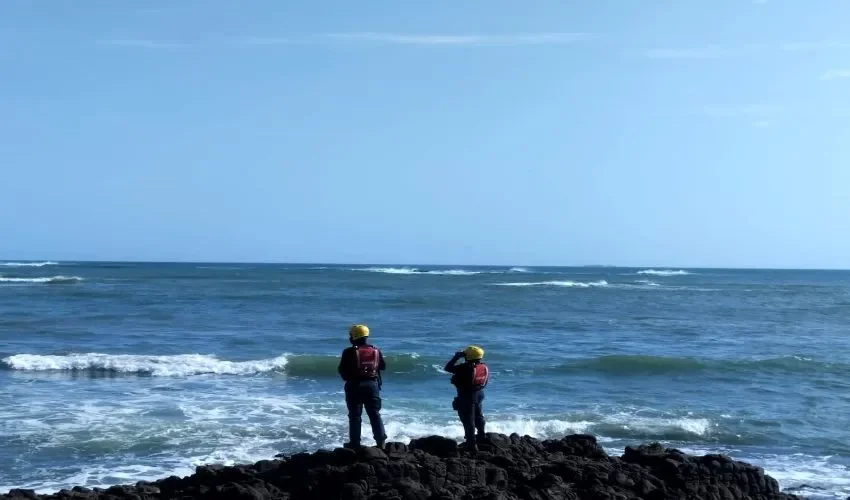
<point x="690" y="133"/>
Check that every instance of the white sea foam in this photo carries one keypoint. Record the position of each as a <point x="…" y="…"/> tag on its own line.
<point x="648" y="283"/>
<point x="388" y="270"/>
<point x="29" y="264"/>
<point x="411" y="270"/>
<point x="812" y="477"/>
<point x="570" y="284"/>
<point x="664" y="272"/>
<point x="807" y="476"/>
<point x="402" y="429"/>
<point x="43" y="279"/>
<point x="694" y="426"/>
<point x="239" y="425"/>
<point x="453" y="272"/>
<point x="518" y="270"/>
<point x="162" y="366"/>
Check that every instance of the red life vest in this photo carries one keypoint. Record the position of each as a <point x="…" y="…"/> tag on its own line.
<point x="368" y="359"/>
<point x="480" y="375"/>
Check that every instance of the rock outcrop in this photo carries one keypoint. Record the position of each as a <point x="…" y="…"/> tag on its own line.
<point x="505" y="468"/>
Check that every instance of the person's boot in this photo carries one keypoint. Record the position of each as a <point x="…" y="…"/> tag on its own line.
<point x="351" y="446"/>
<point x="380" y="443"/>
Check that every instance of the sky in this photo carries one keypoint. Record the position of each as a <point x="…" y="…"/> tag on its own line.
<point x="706" y="133"/>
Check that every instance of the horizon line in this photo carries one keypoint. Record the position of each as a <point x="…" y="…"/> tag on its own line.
<point x="396" y="264"/>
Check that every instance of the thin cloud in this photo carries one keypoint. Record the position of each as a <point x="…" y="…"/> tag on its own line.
<point x="820" y="45"/>
<point x="704" y="52"/>
<point x="265" y="41"/>
<point x="143" y="44"/>
<point x="754" y="49"/>
<point x="462" y="40"/>
<point x="710" y="52"/>
<point x="835" y="74"/>
<point x="371" y="37"/>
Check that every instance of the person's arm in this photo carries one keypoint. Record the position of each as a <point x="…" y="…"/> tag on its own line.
<point x="450" y="366"/>
<point x="381" y="364"/>
<point x="343" y="365"/>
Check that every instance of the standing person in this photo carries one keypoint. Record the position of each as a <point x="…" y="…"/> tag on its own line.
<point x="360" y="367"/>
<point x="470" y="379"/>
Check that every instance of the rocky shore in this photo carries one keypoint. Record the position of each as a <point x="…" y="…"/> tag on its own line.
<point x="505" y="468"/>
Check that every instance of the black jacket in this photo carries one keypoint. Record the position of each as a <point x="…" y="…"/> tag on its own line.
<point x="462" y="375"/>
<point x="348" y="364"/>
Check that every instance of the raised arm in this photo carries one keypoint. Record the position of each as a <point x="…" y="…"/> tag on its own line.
<point x="450" y="366"/>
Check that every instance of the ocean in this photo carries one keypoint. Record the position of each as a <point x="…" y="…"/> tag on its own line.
<point x="117" y="372"/>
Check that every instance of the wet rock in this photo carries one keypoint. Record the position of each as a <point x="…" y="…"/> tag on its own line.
<point x="507" y="468"/>
<point x="435" y="445"/>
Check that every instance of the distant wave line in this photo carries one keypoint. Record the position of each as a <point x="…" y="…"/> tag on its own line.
<point x="46" y="279"/>
<point x="29" y="264"/>
<point x="664" y="272"/>
<point x="439" y="272"/>
<point x="183" y="365"/>
<point x="569" y="284"/>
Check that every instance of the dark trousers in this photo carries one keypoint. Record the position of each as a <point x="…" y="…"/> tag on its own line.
<point x="471" y="415"/>
<point x="364" y="394"/>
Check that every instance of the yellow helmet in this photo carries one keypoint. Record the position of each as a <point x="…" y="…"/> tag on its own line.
<point x="358" y="332"/>
<point x="473" y="353"/>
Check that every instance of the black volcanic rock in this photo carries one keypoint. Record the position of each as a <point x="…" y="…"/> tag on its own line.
<point x="506" y="468"/>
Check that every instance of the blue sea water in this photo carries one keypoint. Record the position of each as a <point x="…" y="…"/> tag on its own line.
<point x="117" y="372"/>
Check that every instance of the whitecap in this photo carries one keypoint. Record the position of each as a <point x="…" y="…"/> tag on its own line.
<point x="568" y="284"/>
<point x="43" y="279"/>
<point x="29" y="264"/>
<point x="164" y="366"/>
<point x="664" y="272"/>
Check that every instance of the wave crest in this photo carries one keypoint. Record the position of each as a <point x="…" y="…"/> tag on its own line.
<point x="182" y="365"/>
<point x="45" y="279"/>
<point x="569" y="284"/>
<point x="664" y="272"/>
<point x="29" y="264"/>
<point x="626" y="364"/>
<point x="413" y="270"/>
<point x="637" y="364"/>
<point x="159" y="366"/>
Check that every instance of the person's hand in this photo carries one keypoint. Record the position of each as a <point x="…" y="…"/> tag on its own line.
<point x="459" y="354"/>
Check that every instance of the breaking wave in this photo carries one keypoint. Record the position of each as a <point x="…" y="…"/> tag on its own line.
<point x="405" y="365"/>
<point x="607" y="427"/>
<point x="50" y="279"/>
<point x="569" y="284"/>
<point x="158" y="366"/>
<point x="29" y="264"/>
<point x="182" y="365"/>
<point x="389" y="270"/>
<point x="664" y="272"/>
<point x="413" y="270"/>
<point x="648" y="283"/>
